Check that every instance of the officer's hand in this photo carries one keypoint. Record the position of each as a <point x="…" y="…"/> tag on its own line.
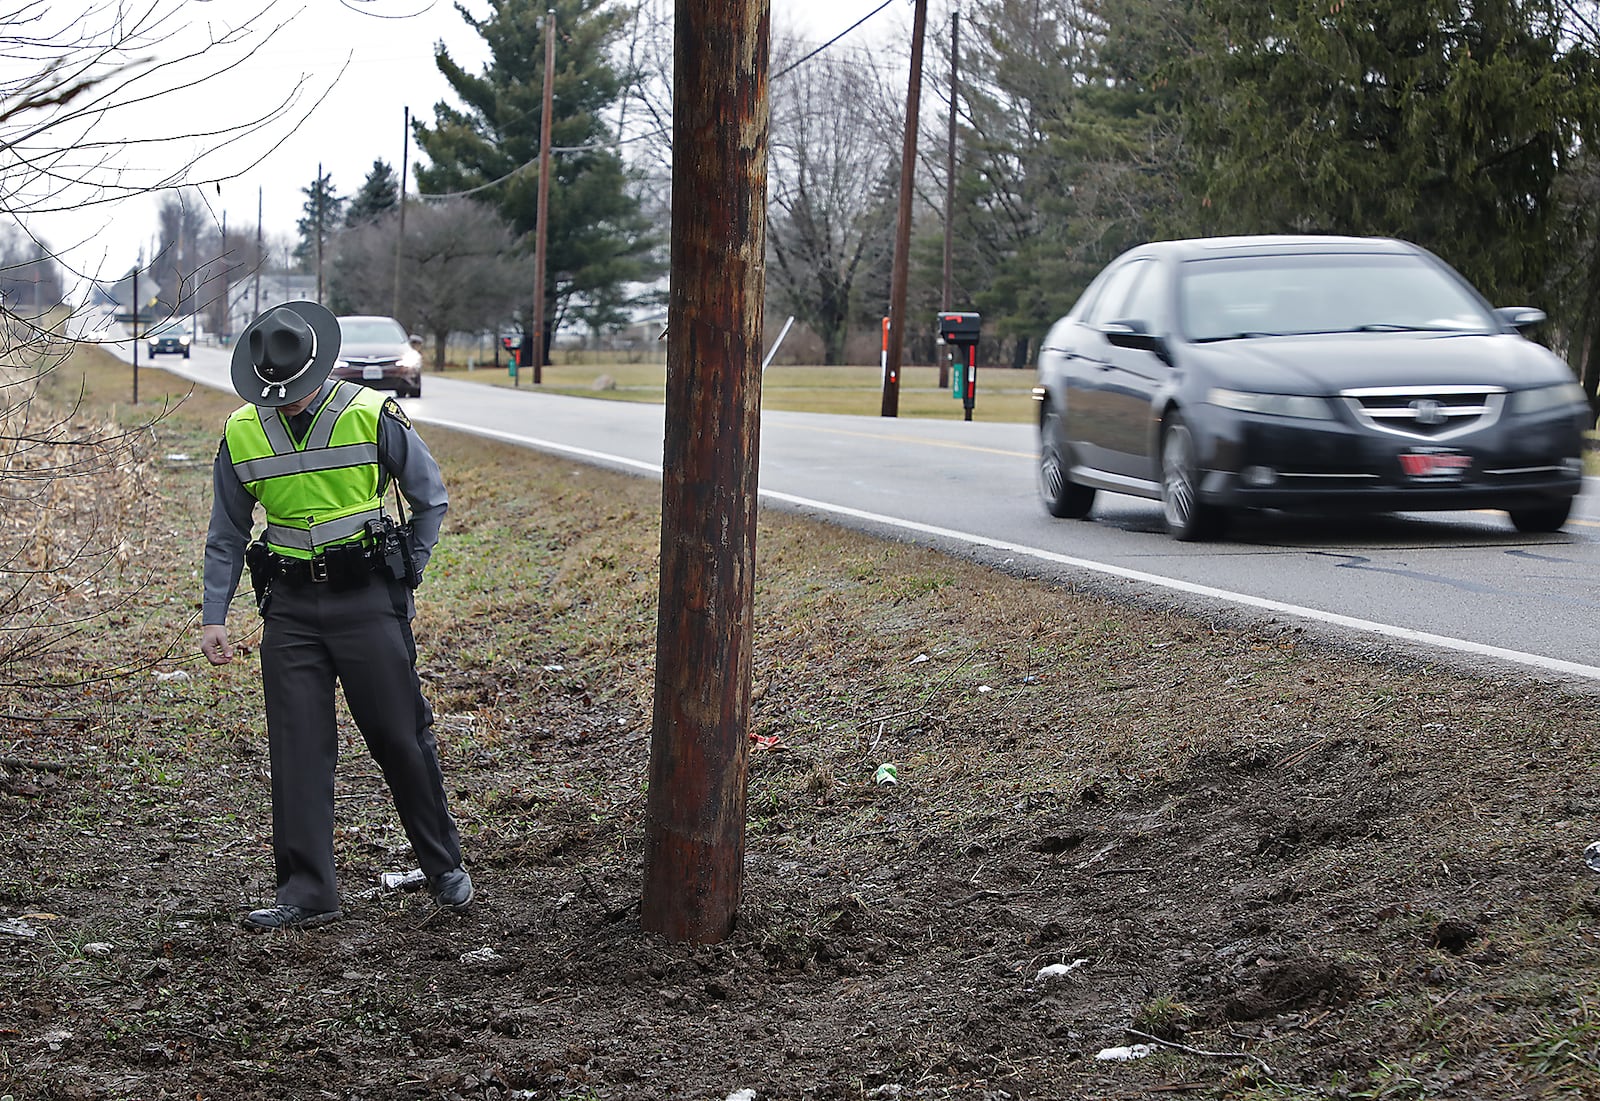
<point x="214" y="644"/>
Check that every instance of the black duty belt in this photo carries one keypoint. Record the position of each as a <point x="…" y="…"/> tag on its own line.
<point x="342" y="567"/>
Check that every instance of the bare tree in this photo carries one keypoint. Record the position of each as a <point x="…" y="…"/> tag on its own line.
<point x="83" y="85"/>
<point x="831" y="190"/>
<point x="93" y="91"/>
<point x="460" y="269"/>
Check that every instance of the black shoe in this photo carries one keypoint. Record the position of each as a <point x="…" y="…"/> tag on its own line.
<point x="289" y="917"/>
<point x="452" y="890"/>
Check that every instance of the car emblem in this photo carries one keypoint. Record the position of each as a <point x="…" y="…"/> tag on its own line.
<point x="1428" y="411"/>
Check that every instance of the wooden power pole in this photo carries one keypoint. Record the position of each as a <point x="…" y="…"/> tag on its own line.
<point x="541" y="231"/>
<point x="902" y="234"/>
<point x="400" y="234"/>
<point x="700" y="735"/>
<point x="950" y="188"/>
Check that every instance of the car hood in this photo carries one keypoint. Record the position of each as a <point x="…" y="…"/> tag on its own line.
<point x="355" y="349"/>
<point x="1327" y="363"/>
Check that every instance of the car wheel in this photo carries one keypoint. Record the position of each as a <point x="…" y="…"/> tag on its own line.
<point x="1062" y="498"/>
<point x="186" y="353"/>
<point x="1188" y="518"/>
<point x="1542" y="518"/>
<point x="416" y="391"/>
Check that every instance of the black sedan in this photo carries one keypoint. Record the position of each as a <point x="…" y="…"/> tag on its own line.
<point x="1316" y="373"/>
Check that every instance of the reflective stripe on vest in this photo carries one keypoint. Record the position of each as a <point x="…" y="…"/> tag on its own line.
<point x="323" y="491"/>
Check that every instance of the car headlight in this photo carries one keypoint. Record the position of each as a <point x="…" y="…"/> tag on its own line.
<point x="184" y="341"/>
<point x="410" y="359"/>
<point x="1272" y="405"/>
<point x="1538" y="400"/>
<point x="340" y="363"/>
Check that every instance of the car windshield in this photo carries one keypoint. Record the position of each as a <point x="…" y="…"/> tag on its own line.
<point x="172" y="330"/>
<point x="371" y="330"/>
<point x="1237" y="297"/>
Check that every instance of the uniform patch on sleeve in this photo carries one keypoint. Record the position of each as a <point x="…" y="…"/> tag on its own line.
<point x="392" y="408"/>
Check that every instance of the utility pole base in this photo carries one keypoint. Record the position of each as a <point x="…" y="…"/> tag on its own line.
<point x="692" y="890"/>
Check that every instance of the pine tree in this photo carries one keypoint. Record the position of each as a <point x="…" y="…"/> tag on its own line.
<point x="323" y="212"/>
<point x="597" y="239"/>
<point x="1441" y="121"/>
<point x="379" y="194"/>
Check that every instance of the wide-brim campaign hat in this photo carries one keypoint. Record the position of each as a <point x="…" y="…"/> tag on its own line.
<point x="285" y="354"/>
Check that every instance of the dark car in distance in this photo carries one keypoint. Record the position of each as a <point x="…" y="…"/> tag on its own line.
<point x="173" y="338"/>
<point x="376" y="352"/>
<point x="1307" y="373"/>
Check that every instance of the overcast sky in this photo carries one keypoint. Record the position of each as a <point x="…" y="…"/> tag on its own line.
<point x="358" y="65"/>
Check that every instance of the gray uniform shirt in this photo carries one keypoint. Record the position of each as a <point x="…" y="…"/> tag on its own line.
<point x="401" y="452"/>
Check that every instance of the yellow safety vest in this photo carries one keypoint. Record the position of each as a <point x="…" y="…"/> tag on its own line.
<point x="323" y="490"/>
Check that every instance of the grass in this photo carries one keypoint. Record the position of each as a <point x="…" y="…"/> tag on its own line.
<point x="1003" y="395"/>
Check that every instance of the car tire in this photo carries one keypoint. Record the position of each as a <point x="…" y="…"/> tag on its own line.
<point x="1189" y="519"/>
<point x="416" y="391"/>
<point x="1541" y="518"/>
<point x="1062" y="498"/>
<point x="186" y="353"/>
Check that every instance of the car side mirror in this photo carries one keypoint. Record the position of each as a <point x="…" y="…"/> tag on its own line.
<point x="1133" y="333"/>
<point x="1521" y="318"/>
<point x="416" y="341"/>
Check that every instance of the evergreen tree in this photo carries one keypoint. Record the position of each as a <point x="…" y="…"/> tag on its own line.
<point x="1069" y="150"/>
<point x="323" y="211"/>
<point x="1445" y="122"/>
<point x="379" y="194"/>
<point x="597" y="240"/>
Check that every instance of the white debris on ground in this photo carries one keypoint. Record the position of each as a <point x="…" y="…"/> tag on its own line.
<point x="1124" y="1054"/>
<point x="1051" y="972"/>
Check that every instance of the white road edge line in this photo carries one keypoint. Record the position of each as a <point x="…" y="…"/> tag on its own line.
<point x="1465" y="646"/>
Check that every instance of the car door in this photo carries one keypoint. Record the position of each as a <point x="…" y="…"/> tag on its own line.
<point x="1134" y="376"/>
<point x="1091" y="403"/>
<point x="1109" y="406"/>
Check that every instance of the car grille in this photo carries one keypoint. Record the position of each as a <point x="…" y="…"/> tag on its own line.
<point x="1426" y="412"/>
<point x="386" y="362"/>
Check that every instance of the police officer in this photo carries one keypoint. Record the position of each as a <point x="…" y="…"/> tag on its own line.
<point x="333" y="584"/>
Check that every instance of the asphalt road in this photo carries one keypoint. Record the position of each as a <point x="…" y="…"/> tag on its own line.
<point x="1461" y="586"/>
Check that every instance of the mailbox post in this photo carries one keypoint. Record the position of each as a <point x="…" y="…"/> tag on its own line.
<point x="960" y="331"/>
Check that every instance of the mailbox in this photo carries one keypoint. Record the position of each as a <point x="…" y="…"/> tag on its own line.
<point x="960" y="331"/>
<point x="959" y="328"/>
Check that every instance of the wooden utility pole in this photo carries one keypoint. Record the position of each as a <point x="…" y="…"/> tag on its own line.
<point x="902" y="234"/>
<point x="135" y="324"/>
<point x="400" y="237"/>
<point x="542" y="231"/>
<point x="321" y="200"/>
<point x="950" y="187"/>
<point x="700" y="735"/>
<point x="261" y="257"/>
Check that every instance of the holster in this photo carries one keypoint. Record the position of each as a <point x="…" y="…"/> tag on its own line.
<point x="258" y="559"/>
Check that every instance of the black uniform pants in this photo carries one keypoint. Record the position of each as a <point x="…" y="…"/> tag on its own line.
<point x="362" y="637"/>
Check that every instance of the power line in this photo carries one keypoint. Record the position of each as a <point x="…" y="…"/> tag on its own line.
<point x="790" y="68"/>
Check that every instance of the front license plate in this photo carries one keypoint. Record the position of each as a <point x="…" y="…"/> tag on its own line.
<point x="372" y="372"/>
<point x="1435" y="465"/>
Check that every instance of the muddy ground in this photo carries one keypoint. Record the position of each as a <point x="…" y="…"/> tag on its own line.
<point x="1293" y="868"/>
